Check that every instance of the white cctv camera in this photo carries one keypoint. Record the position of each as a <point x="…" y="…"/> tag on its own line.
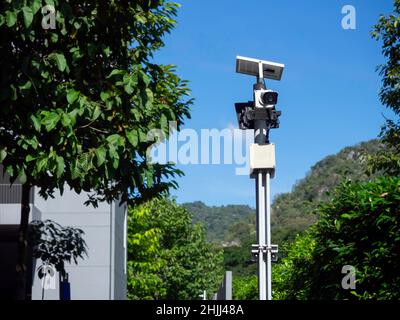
<point x="265" y="98"/>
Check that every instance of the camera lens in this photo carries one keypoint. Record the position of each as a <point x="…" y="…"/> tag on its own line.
<point x="269" y="98"/>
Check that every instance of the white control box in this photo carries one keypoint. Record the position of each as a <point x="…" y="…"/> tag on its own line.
<point x="262" y="157"/>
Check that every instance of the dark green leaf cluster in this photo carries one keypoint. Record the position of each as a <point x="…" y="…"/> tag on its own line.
<point x="78" y="101"/>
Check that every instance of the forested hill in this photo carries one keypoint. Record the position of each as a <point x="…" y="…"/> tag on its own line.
<point x="218" y="220"/>
<point x="292" y="211"/>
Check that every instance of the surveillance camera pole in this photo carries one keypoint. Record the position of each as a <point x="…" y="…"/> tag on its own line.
<point x="262" y="165"/>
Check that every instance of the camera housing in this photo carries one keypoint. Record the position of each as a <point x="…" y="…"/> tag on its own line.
<point x="265" y="98"/>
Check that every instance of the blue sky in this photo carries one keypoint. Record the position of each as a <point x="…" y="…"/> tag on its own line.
<point x="328" y="94"/>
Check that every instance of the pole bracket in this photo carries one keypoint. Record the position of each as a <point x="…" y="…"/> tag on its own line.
<point x="257" y="248"/>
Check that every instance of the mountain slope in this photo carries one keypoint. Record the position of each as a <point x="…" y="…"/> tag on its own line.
<point x="218" y="220"/>
<point x="292" y="211"/>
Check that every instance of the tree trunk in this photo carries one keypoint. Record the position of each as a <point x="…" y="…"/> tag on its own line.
<point x="21" y="268"/>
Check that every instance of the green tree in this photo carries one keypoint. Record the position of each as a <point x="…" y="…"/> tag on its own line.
<point x="291" y="275"/>
<point x="388" y="31"/>
<point x="360" y="227"/>
<point x="168" y="255"/>
<point x="245" y="288"/>
<point x="78" y="101"/>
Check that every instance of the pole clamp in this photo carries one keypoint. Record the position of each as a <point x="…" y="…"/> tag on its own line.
<point x="257" y="248"/>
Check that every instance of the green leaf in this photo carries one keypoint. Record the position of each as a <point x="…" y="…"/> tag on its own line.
<point x="164" y="122"/>
<point x="29" y="158"/>
<point x="72" y="116"/>
<point x="116" y="160"/>
<point x="114" y="139"/>
<point x="11" y="18"/>
<point x="28" y="16"/>
<point x="32" y="142"/>
<point x="72" y="96"/>
<point x="22" y="176"/>
<point x="85" y="162"/>
<point x="146" y="79"/>
<point x="26" y="86"/>
<point x="14" y="95"/>
<point x="104" y="96"/>
<point x="42" y="163"/>
<point x="107" y="51"/>
<point x="3" y="155"/>
<point x="54" y="37"/>
<point x="132" y="137"/>
<point x="96" y="113"/>
<point x="65" y="120"/>
<point x="128" y="88"/>
<point x="60" y="166"/>
<point x="60" y="60"/>
<point x="76" y="53"/>
<point x="142" y="136"/>
<point x="138" y="116"/>
<point x="50" y="120"/>
<point x="10" y="170"/>
<point x="75" y="172"/>
<point x="149" y="179"/>
<point x="115" y="72"/>
<point x="100" y="155"/>
<point x="141" y="19"/>
<point x="36" y="5"/>
<point x="36" y="123"/>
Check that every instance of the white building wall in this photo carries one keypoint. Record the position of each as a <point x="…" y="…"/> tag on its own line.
<point x="101" y="275"/>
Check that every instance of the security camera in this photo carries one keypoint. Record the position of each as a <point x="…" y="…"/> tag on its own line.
<point x="265" y="98"/>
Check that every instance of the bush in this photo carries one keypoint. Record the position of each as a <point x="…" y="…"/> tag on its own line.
<point x="359" y="227"/>
<point x="245" y="288"/>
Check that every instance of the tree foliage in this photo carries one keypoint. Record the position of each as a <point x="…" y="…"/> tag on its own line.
<point x="245" y="288"/>
<point x="78" y="101"/>
<point x="168" y="256"/>
<point x="387" y="30"/>
<point x="218" y="219"/>
<point x="291" y="276"/>
<point x="359" y="227"/>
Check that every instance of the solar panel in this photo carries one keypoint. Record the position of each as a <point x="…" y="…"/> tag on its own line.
<point x="271" y="70"/>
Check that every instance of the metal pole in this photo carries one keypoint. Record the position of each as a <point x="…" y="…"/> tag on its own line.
<point x="260" y="137"/>
<point x="268" y="221"/>
<point x="262" y="271"/>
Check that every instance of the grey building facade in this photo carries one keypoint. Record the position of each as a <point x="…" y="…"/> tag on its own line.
<point x="101" y="275"/>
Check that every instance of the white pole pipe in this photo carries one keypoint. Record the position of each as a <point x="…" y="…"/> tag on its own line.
<point x="268" y="234"/>
<point x="262" y="272"/>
